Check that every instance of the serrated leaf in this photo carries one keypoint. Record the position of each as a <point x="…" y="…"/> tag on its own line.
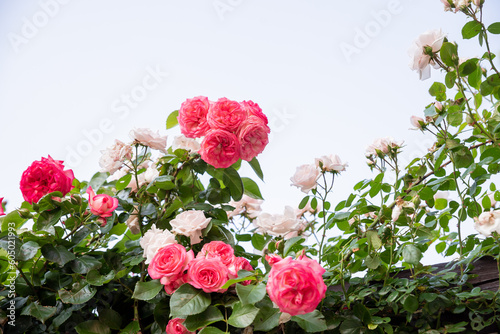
<point x="57" y="254"/>
<point x="147" y="290"/>
<point x="448" y="54"/>
<point x="412" y="254"/>
<point x="251" y="188"/>
<point x="77" y="297"/>
<point x="251" y="294"/>
<point x="207" y="317"/>
<point x="243" y="315"/>
<point x="172" y="119"/>
<point x="187" y="300"/>
<point x="311" y="322"/>
<point x="267" y="319"/>
<point x="38" y="311"/>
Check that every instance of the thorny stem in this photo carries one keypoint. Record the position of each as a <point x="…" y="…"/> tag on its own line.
<point x="323" y="201"/>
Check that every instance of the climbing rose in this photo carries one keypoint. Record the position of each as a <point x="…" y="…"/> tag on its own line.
<point x="226" y="115"/>
<point x="193" y="117"/>
<point x="175" y="326"/>
<point x="207" y="274"/>
<point x="101" y="205"/>
<point x="220" y="148"/>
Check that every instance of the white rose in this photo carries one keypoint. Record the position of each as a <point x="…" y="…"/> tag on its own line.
<point x="286" y="225"/>
<point x="487" y="222"/>
<point x="148" y="138"/>
<point x="113" y="157"/>
<point x="247" y="205"/>
<point x="305" y="177"/>
<point x="420" y="61"/>
<point x="331" y="163"/>
<point x="155" y="239"/>
<point x="188" y="144"/>
<point x="382" y="146"/>
<point x="190" y="223"/>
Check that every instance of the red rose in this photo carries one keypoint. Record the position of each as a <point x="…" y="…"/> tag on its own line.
<point x="175" y="326"/>
<point x="193" y="117"/>
<point x="253" y="137"/>
<point x="226" y="115"/>
<point x="253" y="109"/>
<point x="43" y="177"/>
<point x="220" y="148"/>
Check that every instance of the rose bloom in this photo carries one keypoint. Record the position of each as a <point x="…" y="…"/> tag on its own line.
<point x="175" y="326"/>
<point x="272" y="259"/>
<point x="190" y="223"/>
<point x="417" y="122"/>
<point x="218" y="249"/>
<point x="305" y="177"/>
<point x="487" y="222"/>
<point x="286" y="225"/>
<point x="43" y="177"/>
<point x="226" y="115"/>
<point x="148" y="138"/>
<point x="193" y="117"/>
<point x="331" y="163"/>
<point x="247" y="205"/>
<point x="113" y="157"/>
<point x="185" y="143"/>
<point x="253" y="109"/>
<point x="239" y="263"/>
<point x="382" y="146"/>
<point x="2" y="213"/>
<point x="220" y="148"/>
<point x="308" y="208"/>
<point x="101" y="205"/>
<point x="420" y="61"/>
<point x="145" y="177"/>
<point x="170" y="263"/>
<point x="296" y="286"/>
<point x="155" y="239"/>
<point x="207" y="274"/>
<point x="253" y="137"/>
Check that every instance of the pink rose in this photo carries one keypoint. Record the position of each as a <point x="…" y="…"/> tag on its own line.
<point x="113" y="157"/>
<point x="149" y="138"/>
<point x="226" y="114"/>
<point x="420" y="59"/>
<point x="153" y="240"/>
<point x="2" y="213"/>
<point x="207" y="274"/>
<point x="296" y="286"/>
<point x="253" y="109"/>
<point x="331" y="163"/>
<point x="170" y="263"/>
<point x="218" y="249"/>
<point x="240" y="263"/>
<point x="247" y="205"/>
<point x="220" y="148"/>
<point x="305" y="177"/>
<point x="417" y="122"/>
<point x="253" y="137"/>
<point x="101" y="205"/>
<point x="272" y="259"/>
<point x="43" y="177"/>
<point x="193" y="117"/>
<point x="175" y="326"/>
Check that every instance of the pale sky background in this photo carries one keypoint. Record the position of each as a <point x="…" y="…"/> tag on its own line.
<point x="75" y="75"/>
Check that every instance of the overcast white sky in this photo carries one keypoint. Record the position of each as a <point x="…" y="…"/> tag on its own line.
<point x="332" y="76"/>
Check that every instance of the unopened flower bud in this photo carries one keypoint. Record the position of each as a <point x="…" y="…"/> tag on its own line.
<point x="417" y="122"/>
<point x="438" y="106"/>
<point x="478" y="2"/>
<point x="25" y="213"/>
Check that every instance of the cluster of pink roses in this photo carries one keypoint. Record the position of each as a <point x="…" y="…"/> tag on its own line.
<point x="231" y="130"/>
<point x="295" y="286"/>
<point x="212" y="267"/>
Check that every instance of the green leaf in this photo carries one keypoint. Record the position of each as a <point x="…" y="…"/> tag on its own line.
<point x="441" y="203"/>
<point x="57" y="254"/>
<point x="84" y="264"/>
<point x="187" y="300"/>
<point x="486" y="202"/>
<point x="232" y="180"/>
<point x="449" y="54"/>
<point x="111" y="318"/>
<point x="207" y="317"/>
<point x="92" y="327"/>
<point x="267" y="319"/>
<point x="123" y="182"/>
<point x="97" y="181"/>
<point x="373" y="239"/>
<point x="147" y="290"/>
<point x="468" y="67"/>
<point x="411" y="304"/>
<point x="438" y="90"/>
<point x="311" y="322"/>
<point x="412" y="254"/>
<point x="251" y="294"/>
<point x="494" y="28"/>
<point x="259" y="241"/>
<point x="211" y="330"/>
<point x="251" y="188"/>
<point x="372" y="261"/>
<point x="254" y="163"/>
<point x="450" y="79"/>
<point x="28" y="251"/>
<point x="38" y="311"/>
<point x="47" y="219"/>
<point x="172" y="119"/>
<point x="95" y="278"/>
<point x="12" y="217"/>
<point x="462" y="158"/>
<point x="164" y="182"/>
<point x="243" y="315"/>
<point x="77" y="297"/>
<point x="471" y="29"/>
<point x="290" y="243"/>
<point x="493" y="80"/>
<point x="243" y="275"/>
<point x="351" y="326"/>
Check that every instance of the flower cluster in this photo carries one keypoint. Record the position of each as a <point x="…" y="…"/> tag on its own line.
<point x="286" y="225"/>
<point x="382" y="147"/>
<point x="306" y="176"/>
<point x="231" y="130"/>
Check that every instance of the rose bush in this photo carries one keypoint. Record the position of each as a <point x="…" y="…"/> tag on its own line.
<point x="186" y="247"/>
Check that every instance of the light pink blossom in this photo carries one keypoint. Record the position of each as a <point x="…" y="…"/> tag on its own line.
<point x="331" y="163"/>
<point x="149" y="138"/>
<point x="305" y="177"/>
<point x="420" y="59"/>
<point x="190" y="224"/>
